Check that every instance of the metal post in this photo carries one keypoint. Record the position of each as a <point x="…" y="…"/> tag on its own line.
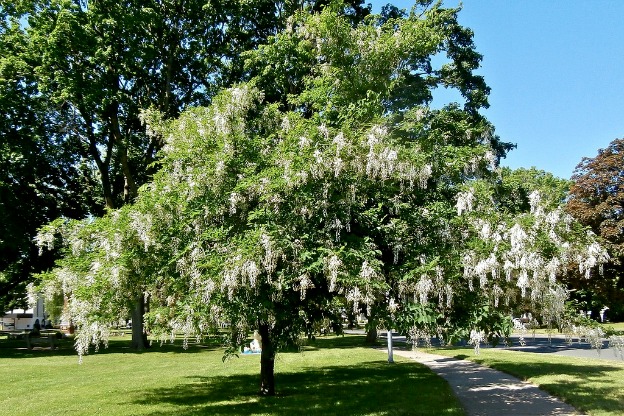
<point x="390" y="358"/>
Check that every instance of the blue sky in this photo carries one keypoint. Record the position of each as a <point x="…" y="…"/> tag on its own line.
<point x="556" y="70"/>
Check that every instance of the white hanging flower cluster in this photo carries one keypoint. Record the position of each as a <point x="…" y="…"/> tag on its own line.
<point x="203" y="288"/>
<point x="67" y="278"/>
<point x="354" y="296"/>
<point x="229" y="280"/>
<point x="468" y="264"/>
<point x="382" y="164"/>
<point x="515" y="260"/>
<point x="242" y="273"/>
<point x="534" y="202"/>
<point x="552" y="269"/>
<point x="593" y="256"/>
<point x="485" y="267"/>
<point x="234" y="200"/>
<point x="90" y="332"/>
<point x="245" y="272"/>
<point x="617" y="343"/>
<point x="552" y="303"/>
<point x="45" y="239"/>
<point x="423" y="288"/>
<point x="520" y="329"/>
<point x="249" y="273"/>
<point x="332" y="266"/>
<point x="225" y="119"/>
<point x="31" y="295"/>
<point x="142" y="224"/>
<point x="517" y="238"/>
<point x="269" y="261"/>
<point x="416" y="334"/>
<point x="465" y="201"/>
<point x="368" y="275"/>
<point x="393" y="306"/>
<point x="153" y="122"/>
<point x="421" y="176"/>
<point x="485" y="160"/>
<point x="303" y="284"/>
<point x="363" y="293"/>
<point x="476" y="339"/>
<point x="593" y="336"/>
<point x="188" y="265"/>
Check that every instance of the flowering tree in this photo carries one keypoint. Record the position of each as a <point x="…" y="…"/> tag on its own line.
<point x="325" y="179"/>
<point x="596" y="201"/>
<point x="525" y="250"/>
<point x="74" y="76"/>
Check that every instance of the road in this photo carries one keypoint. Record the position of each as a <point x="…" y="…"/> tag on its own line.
<point x="541" y="344"/>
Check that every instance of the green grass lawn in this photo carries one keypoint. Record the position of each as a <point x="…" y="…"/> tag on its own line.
<point x="331" y="376"/>
<point x="617" y="327"/>
<point x="593" y="386"/>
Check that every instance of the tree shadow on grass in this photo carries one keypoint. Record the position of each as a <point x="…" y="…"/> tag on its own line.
<point x="16" y="348"/>
<point x="332" y="341"/>
<point x="403" y="388"/>
<point x="591" y="387"/>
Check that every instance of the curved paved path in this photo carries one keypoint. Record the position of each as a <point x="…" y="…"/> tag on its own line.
<point x="483" y="391"/>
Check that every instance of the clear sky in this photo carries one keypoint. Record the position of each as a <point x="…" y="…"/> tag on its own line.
<point x="556" y="70"/>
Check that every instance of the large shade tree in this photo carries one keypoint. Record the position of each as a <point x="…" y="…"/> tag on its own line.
<point x="98" y="63"/>
<point x="597" y="201"/>
<point x="95" y="64"/>
<point x="41" y="178"/>
<point x="325" y="179"/>
<point x="74" y="76"/>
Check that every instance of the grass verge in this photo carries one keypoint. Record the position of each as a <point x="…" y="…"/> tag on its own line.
<point x="592" y="386"/>
<point x="332" y="376"/>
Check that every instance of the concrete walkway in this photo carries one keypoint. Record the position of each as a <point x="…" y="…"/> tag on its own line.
<point x="486" y="392"/>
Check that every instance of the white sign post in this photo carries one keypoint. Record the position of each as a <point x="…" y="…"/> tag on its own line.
<point x="390" y="358"/>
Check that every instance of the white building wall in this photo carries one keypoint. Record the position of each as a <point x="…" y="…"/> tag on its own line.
<point x="23" y="319"/>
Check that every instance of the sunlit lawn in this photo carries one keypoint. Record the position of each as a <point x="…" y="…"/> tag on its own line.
<point x="591" y="385"/>
<point x="616" y="326"/>
<point x="332" y="376"/>
<point x="607" y="326"/>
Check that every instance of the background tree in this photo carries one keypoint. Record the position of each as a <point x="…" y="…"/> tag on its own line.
<point x="40" y="177"/>
<point x="326" y="177"/>
<point x="516" y="186"/>
<point x="523" y="231"/>
<point x="596" y="200"/>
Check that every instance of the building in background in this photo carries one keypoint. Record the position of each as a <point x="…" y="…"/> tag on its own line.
<point x="24" y="319"/>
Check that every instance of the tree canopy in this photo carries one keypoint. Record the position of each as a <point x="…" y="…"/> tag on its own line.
<point x="596" y="200"/>
<point x="40" y="177"/>
<point x="326" y="181"/>
<point x="74" y="77"/>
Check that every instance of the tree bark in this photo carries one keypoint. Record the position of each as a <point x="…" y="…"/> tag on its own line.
<point x="103" y="164"/>
<point x="371" y="333"/>
<point x="130" y="187"/>
<point x="139" y="338"/>
<point x="267" y="362"/>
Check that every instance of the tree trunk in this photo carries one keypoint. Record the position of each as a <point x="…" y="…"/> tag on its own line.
<point x="267" y="363"/>
<point x="130" y="186"/>
<point x="371" y="333"/>
<point x="139" y="338"/>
